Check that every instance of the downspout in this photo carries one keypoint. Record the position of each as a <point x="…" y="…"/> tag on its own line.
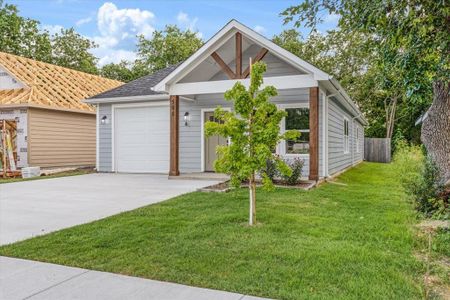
<point x="353" y="132"/>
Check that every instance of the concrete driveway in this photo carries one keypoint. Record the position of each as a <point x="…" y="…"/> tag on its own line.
<point x="38" y="207"/>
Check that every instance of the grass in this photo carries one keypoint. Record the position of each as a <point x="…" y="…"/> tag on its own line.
<point x="352" y="240"/>
<point x="59" y="174"/>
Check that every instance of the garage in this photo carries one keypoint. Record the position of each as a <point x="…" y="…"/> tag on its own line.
<point x="141" y="138"/>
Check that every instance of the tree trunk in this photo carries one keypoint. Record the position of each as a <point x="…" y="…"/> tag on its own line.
<point x="436" y="129"/>
<point x="252" y="190"/>
<point x="390" y="117"/>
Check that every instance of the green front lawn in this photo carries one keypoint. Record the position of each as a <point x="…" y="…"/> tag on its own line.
<point x="352" y="240"/>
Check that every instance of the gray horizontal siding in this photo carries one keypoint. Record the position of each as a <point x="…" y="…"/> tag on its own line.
<point x="190" y="136"/>
<point x="105" y="139"/>
<point x="337" y="159"/>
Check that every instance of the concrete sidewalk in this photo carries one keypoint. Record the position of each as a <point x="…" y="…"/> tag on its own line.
<point x="25" y="279"/>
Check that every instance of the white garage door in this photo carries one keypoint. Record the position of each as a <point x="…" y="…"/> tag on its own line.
<point x="141" y="138"/>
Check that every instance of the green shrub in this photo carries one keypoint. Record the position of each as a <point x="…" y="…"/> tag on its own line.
<point x="271" y="169"/>
<point x="296" y="166"/>
<point x="420" y="179"/>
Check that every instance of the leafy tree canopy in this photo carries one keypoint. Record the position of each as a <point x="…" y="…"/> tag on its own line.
<point x="122" y="71"/>
<point x="71" y="50"/>
<point x="21" y="36"/>
<point x="411" y="36"/>
<point x="166" y="47"/>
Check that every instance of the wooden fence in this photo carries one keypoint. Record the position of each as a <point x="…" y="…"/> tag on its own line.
<point x="377" y="150"/>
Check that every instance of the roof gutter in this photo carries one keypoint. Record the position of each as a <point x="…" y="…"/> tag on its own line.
<point x="127" y="99"/>
<point x="346" y="97"/>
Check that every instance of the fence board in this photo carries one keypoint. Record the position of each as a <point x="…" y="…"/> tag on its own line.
<point x="377" y="150"/>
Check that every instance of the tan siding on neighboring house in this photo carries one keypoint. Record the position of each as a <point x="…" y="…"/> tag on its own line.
<point x="58" y="138"/>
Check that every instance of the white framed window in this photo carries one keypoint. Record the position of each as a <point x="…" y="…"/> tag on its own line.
<point x="297" y="119"/>
<point x="346" y="141"/>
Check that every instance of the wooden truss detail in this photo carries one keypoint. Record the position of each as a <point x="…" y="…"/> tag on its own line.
<point x="238" y="55"/>
<point x="225" y="68"/>
<point x="238" y="73"/>
<point x="51" y="86"/>
<point x="257" y="58"/>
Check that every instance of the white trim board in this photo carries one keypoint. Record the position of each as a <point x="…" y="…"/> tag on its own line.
<point x="221" y="86"/>
<point x="325" y="133"/>
<point x="281" y="147"/>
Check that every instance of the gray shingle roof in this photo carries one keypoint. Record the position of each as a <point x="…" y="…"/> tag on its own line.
<point x="138" y="87"/>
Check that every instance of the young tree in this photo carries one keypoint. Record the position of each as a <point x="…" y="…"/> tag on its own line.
<point x="166" y="47"/>
<point x="253" y="128"/>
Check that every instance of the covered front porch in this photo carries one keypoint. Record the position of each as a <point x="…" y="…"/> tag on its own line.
<point x="197" y="86"/>
<point x="190" y="150"/>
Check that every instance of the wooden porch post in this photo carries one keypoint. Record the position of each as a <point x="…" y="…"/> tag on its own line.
<point x="174" y="135"/>
<point x="238" y="71"/>
<point x="314" y="133"/>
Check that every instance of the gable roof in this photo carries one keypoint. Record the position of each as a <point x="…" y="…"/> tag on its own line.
<point x="155" y="85"/>
<point x="227" y="32"/>
<point x="139" y="87"/>
<point x="50" y="86"/>
<point x="221" y="37"/>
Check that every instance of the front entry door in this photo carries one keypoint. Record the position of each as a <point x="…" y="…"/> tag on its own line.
<point x="210" y="145"/>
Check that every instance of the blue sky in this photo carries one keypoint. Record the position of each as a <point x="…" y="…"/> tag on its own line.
<point x="114" y="24"/>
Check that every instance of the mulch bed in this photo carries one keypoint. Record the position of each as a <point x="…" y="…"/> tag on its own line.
<point x="224" y="187"/>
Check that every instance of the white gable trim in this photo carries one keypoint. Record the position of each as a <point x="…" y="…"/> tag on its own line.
<point x="220" y="38"/>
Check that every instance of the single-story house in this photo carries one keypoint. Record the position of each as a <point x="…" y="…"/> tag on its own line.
<point x="42" y="106"/>
<point x="155" y="123"/>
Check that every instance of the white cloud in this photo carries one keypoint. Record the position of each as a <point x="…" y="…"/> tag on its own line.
<point x="186" y="22"/>
<point x="117" y="32"/>
<point x="52" y="29"/>
<point x="182" y="17"/>
<point x="108" y="55"/>
<point x="112" y="21"/>
<point x="259" y="29"/>
<point x="331" y="18"/>
<point x="83" y="21"/>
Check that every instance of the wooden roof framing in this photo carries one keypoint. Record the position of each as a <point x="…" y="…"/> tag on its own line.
<point x="51" y="86"/>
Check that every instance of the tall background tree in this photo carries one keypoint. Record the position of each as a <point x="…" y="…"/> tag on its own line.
<point x="411" y="41"/>
<point x="21" y="36"/>
<point x="67" y="48"/>
<point x="122" y="71"/>
<point x="166" y="47"/>
<point x="71" y="50"/>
